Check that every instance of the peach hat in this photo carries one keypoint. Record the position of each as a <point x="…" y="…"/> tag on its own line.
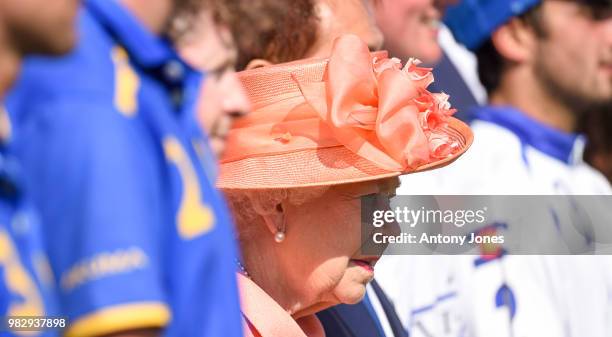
<point x="354" y="117"/>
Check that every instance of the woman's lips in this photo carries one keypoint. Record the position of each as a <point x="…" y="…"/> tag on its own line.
<point x="369" y="266"/>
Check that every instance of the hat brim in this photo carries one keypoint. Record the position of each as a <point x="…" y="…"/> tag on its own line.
<point x="322" y="167"/>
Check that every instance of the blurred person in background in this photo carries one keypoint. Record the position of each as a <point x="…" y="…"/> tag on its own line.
<point x="413" y="28"/>
<point x="139" y="240"/>
<point x="26" y="286"/>
<point x="294" y="178"/>
<point x="543" y="64"/>
<point x="208" y="41"/>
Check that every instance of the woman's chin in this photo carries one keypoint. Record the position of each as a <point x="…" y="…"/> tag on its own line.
<point x="352" y="287"/>
<point x="353" y="295"/>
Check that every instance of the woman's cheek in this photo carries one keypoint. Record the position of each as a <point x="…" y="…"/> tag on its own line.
<point x="328" y="275"/>
<point x="347" y="217"/>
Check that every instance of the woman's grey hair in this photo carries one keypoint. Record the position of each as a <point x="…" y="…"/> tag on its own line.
<point x="248" y="206"/>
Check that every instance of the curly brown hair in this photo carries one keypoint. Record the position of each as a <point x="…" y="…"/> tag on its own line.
<point x="274" y="30"/>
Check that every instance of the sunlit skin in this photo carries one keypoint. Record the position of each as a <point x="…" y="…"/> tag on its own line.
<point x="551" y="77"/>
<point x="339" y="17"/>
<point x="210" y="47"/>
<point x="579" y="45"/>
<point x="410" y="28"/>
<point x="319" y="264"/>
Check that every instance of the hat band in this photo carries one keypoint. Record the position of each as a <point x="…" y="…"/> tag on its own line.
<point x="300" y="128"/>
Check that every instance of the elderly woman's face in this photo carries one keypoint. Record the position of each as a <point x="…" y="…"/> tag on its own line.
<point x="322" y="246"/>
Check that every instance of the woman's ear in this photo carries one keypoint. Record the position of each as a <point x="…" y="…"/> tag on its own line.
<point x="258" y="63"/>
<point x="515" y="41"/>
<point x="275" y="221"/>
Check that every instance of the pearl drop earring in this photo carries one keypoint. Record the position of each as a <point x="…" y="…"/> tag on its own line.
<point x="280" y="231"/>
<point x="279" y="236"/>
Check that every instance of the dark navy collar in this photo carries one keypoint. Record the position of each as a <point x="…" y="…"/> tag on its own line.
<point x="566" y="147"/>
<point x="144" y="47"/>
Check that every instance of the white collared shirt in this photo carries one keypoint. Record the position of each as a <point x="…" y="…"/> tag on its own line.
<point x="517" y="296"/>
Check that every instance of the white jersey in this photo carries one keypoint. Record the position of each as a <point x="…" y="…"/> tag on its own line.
<point x="514" y="296"/>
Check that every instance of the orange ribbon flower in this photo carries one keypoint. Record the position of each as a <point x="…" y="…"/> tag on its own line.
<point x="380" y="109"/>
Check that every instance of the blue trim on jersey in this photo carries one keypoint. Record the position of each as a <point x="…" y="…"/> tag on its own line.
<point x="505" y="298"/>
<point x="524" y="155"/>
<point x="438" y="300"/>
<point x="553" y="142"/>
